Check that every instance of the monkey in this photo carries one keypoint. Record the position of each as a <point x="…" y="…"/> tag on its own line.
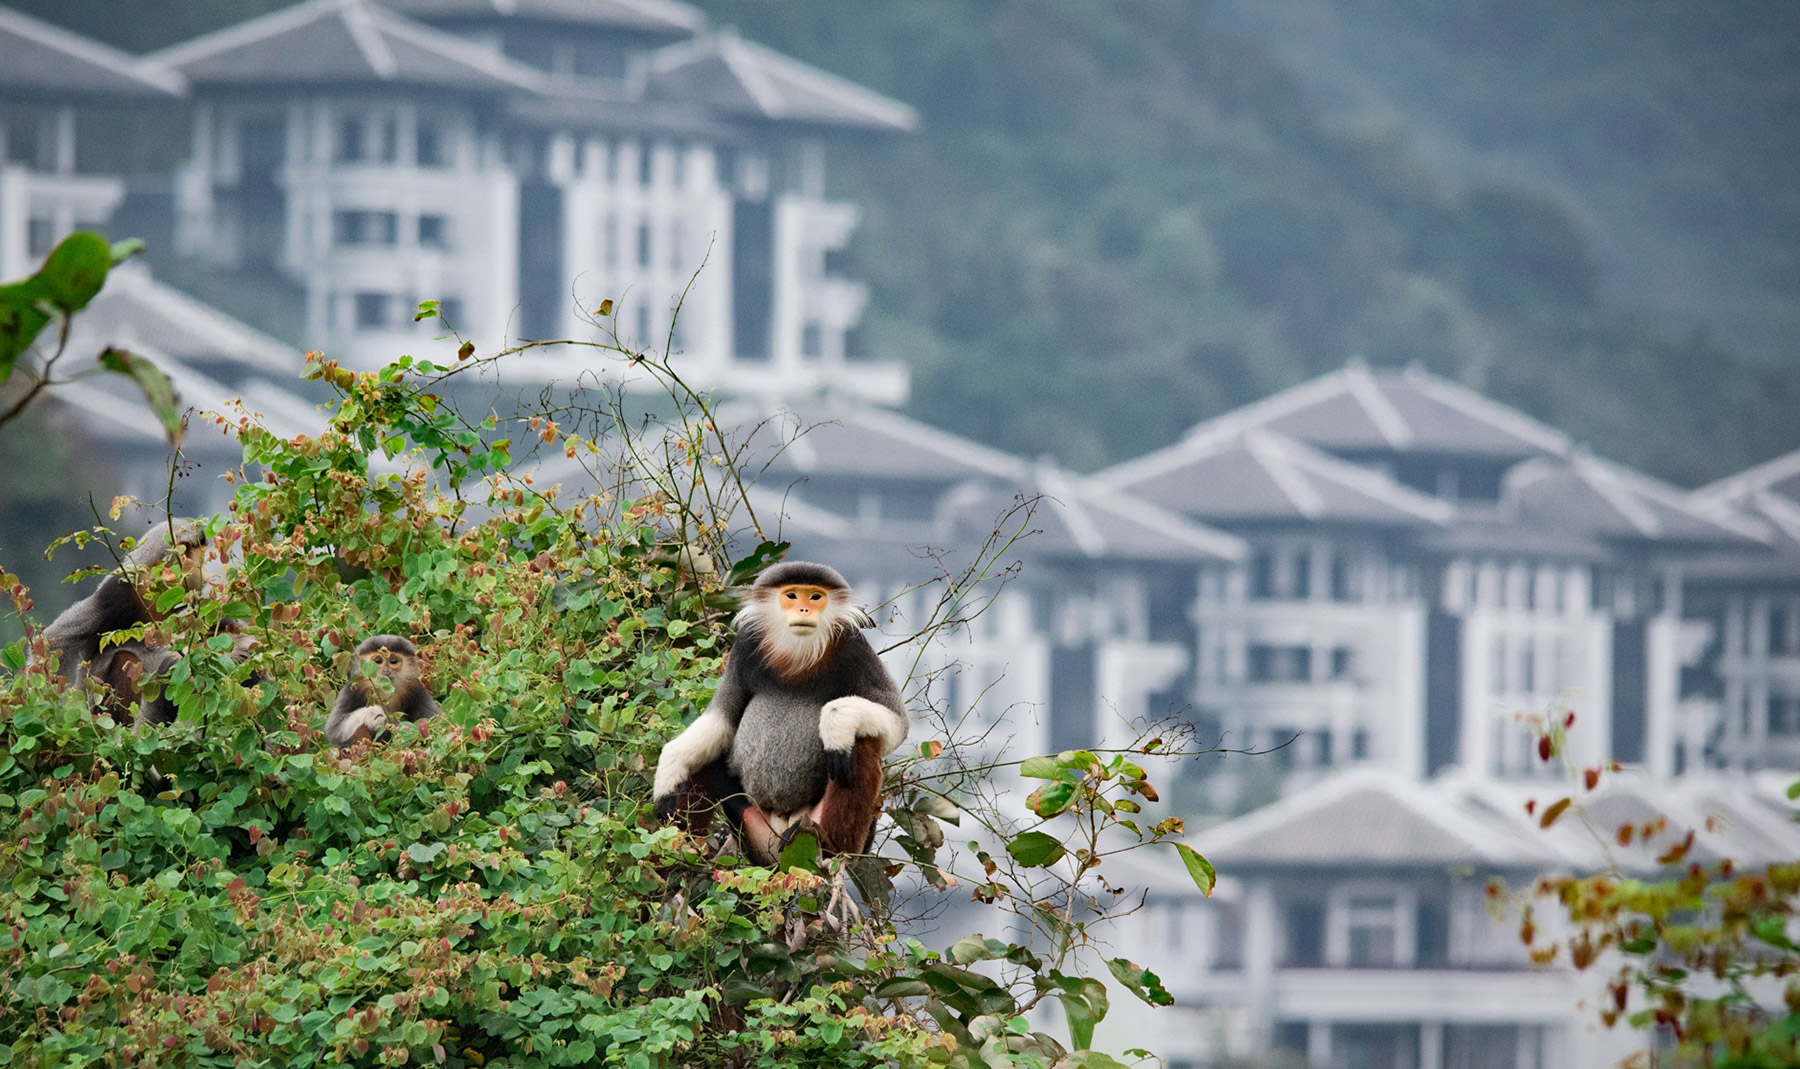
<point x="794" y="735"/>
<point x="364" y="704"/>
<point x="119" y="601"/>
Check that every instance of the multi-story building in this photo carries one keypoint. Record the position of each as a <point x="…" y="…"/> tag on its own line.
<point x="522" y="163"/>
<point x="1429" y="569"/>
<point x="50" y="80"/>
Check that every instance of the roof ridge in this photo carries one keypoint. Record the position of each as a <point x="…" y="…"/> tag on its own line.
<point x="1265" y="448"/>
<point x="1756" y="477"/>
<point x="1369" y="483"/>
<point x="1164" y="521"/>
<point x="1387" y="419"/>
<point x="135" y="68"/>
<point x="1081" y="526"/>
<point x="258" y="28"/>
<point x="829" y="84"/>
<point x="1618" y="497"/>
<point x="361" y="24"/>
<point x="995" y="461"/>
<point x="1203" y="438"/>
<point x="1472" y="403"/>
<point x="755" y="82"/>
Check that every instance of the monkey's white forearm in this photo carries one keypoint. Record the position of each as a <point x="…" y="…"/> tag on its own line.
<point x="843" y="720"/>
<point x="340" y="730"/>
<point x="702" y="743"/>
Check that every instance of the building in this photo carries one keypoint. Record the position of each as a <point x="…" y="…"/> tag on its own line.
<point x="522" y="163"/>
<point x="50" y="80"/>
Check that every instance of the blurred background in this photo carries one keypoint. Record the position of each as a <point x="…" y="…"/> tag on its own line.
<point x="1385" y="374"/>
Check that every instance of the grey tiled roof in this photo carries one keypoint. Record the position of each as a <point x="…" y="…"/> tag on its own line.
<point x="660" y="17"/>
<point x="343" y="42"/>
<point x="1376" y="819"/>
<point x="1260" y="477"/>
<point x="1476" y="533"/>
<point x="41" y="60"/>
<point x="852" y="440"/>
<point x="564" y="106"/>
<point x="1360" y="411"/>
<point x="1770" y="492"/>
<point x="1586" y="495"/>
<point x="744" y="80"/>
<point x="1078" y="519"/>
<point x="134" y="310"/>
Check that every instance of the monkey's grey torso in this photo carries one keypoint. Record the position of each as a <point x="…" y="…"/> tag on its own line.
<point x="777" y="753"/>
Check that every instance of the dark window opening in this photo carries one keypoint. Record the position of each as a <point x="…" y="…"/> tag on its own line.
<point x="373" y="310"/>
<point x="1303" y="934"/>
<point x="434" y="231"/>
<point x="1280" y="664"/>
<point x="433" y="146"/>
<point x="752" y="277"/>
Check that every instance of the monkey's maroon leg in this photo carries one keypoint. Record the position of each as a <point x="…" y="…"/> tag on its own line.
<point x="846" y="815"/>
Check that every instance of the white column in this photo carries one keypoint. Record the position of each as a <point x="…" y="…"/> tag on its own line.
<point x="1318" y="1043"/>
<point x="1431" y="1045"/>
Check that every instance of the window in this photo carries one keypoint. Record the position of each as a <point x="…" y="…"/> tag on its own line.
<point x="646" y="163"/>
<point x="812" y="342"/>
<point x="351" y="139"/>
<point x="1280" y="664"/>
<point x="1343" y="662"/>
<point x="1346" y="583"/>
<point x="1359" y="744"/>
<point x="365" y="228"/>
<point x="40" y="236"/>
<point x="725" y="166"/>
<point x="643" y="326"/>
<point x="1431" y="934"/>
<point x="1528" y="667"/>
<point x="387" y="139"/>
<point x="434" y="231"/>
<point x="1781" y="638"/>
<point x="450" y="312"/>
<point x="680" y="177"/>
<point x="612" y="161"/>
<point x="643" y="245"/>
<point x="1303" y="934"/>
<point x="1784" y="716"/>
<point x="434" y="146"/>
<point x="1371" y="923"/>
<point x="373" y="310"/>
<point x="1262" y="574"/>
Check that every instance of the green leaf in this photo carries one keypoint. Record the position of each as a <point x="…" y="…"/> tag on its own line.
<point x="21" y="320"/>
<point x="1140" y="981"/>
<point x="1051" y="799"/>
<point x="801" y="852"/>
<point x="1041" y="768"/>
<point x="1036" y="848"/>
<point x="75" y="270"/>
<point x="125" y="250"/>
<point x="745" y="571"/>
<point x="1198" y="867"/>
<point x="158" y="390"/>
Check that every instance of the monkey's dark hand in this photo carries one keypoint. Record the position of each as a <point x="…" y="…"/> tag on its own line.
<point x="840" y="766"/>
<point x="668" y="805"/>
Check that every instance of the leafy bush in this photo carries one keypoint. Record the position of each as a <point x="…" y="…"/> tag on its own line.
<point x="486" y="888"/>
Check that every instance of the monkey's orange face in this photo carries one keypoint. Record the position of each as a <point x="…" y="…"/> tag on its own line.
<point x="803" y="606"/>
<point x="390" y="663"/>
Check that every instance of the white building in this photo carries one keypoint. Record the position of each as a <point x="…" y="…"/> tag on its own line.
<point x="522" y="163"/>
<point x="48" y="79"/>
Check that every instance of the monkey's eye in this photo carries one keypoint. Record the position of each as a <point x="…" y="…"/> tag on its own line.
<point x="791" y="596"/>
<point x="816" y="596"/>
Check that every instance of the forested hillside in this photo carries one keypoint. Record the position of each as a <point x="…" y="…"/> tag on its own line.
<point x="1121" y="218"/>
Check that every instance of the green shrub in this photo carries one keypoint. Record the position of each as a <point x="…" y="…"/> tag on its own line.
<point x="486" y="888"/>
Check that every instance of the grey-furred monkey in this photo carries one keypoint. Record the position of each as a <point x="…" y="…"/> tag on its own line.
<point x="122" y="601"/>
<point x="795" y="732"/>
<point x="119" y="601"/>
<point x="396" y="689"/>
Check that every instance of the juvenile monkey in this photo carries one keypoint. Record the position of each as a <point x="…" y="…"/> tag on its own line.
<point x="120" y="601"/>
<point x="363" y="706"/>
<point x="795" y="732"/>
